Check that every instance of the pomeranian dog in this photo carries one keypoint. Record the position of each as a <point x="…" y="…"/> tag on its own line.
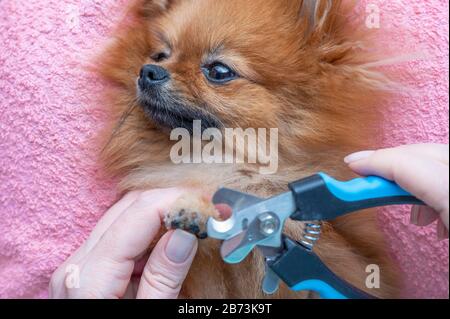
<point x="300" y="66"/>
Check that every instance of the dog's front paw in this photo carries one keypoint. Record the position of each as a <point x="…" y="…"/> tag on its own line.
<point x="187" y="220"/>
<point x="190" y="214"/>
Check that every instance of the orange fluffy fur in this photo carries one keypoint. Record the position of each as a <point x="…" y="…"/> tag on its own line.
<point x="303" y="69"/>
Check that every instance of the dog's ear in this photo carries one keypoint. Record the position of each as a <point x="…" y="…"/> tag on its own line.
<point x="163" y="4"/>
<point x="151" y="8"/>
<point x="318" y="16"/>
<point x="308" y="13"/>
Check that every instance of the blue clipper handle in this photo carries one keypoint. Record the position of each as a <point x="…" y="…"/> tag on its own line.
<point x="301" y="269"/>
<point x="324" y="290"/>
<point x="321" y="197"/>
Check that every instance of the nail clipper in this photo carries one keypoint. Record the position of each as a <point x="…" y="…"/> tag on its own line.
<point x="258" y="223"/>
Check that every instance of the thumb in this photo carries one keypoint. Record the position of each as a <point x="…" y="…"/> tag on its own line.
<point x="168" y="265"/>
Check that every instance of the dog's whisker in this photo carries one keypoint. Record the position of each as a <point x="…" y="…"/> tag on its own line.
<point x="125" y="115"/>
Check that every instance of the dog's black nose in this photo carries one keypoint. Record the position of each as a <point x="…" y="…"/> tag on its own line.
<point x="153" y="75"/>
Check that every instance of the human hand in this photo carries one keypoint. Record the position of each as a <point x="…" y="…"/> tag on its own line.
<point x="422" y="170"/>
<point x="107" y="264"/>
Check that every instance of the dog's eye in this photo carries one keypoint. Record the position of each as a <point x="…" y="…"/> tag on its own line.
<point x="219" y="73"/>
<point x="160" y="56"/>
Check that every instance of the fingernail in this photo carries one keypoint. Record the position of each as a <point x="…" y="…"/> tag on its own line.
<point x="358" y="156"/>
<point x="415" y="212"/>
<point x="442" y="232"/>
<point x="179" y="246"/>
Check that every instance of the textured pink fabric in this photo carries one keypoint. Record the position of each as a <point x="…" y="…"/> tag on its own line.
<point x="51" y="194"/>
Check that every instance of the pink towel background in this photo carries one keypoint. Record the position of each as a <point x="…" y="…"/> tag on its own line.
<point x="50" y="192"/>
